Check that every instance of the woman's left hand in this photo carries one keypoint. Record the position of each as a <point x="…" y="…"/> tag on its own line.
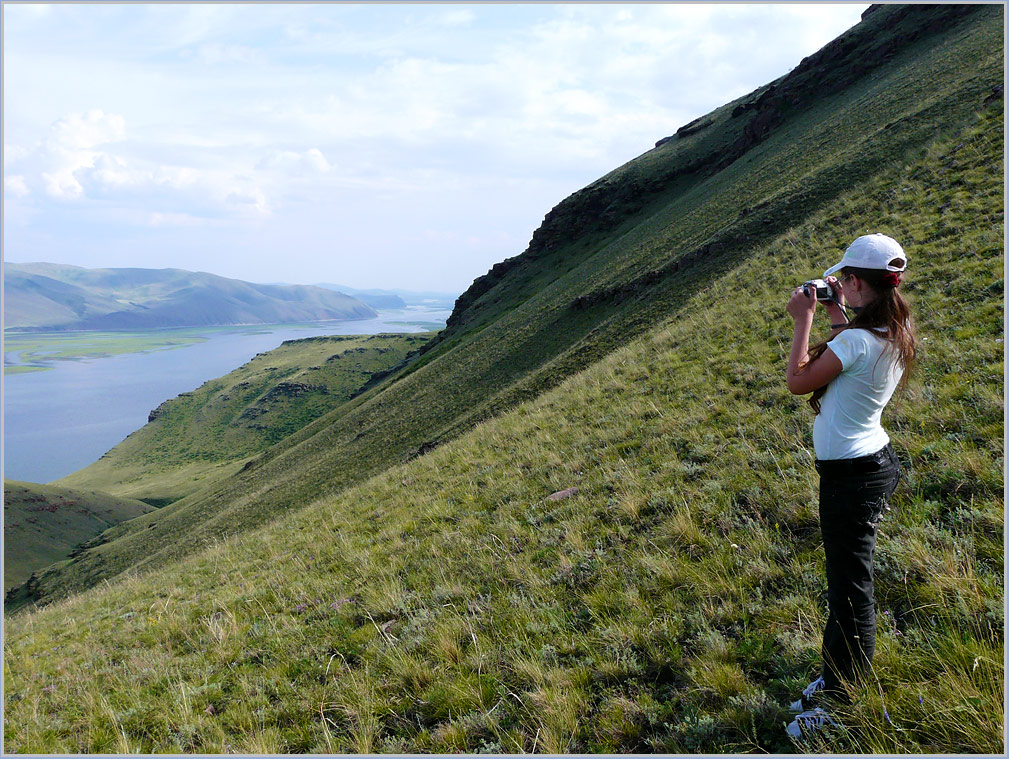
<point x="838" y="289"/>
<point x="801" y="305"/>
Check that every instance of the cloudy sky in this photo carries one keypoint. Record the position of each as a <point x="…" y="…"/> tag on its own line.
<point x="373" y="145"/>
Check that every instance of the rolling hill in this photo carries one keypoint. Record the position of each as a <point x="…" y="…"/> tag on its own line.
<point x="43" y="296"/>
<point x="44" y="524"/>
<point x="582" y="519"/>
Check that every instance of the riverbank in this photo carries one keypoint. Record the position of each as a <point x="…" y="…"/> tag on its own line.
<point x="98" y="387"/>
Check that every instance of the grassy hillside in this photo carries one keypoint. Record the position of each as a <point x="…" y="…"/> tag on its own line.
<point x="57" y="296"/>
<point x="618" y="258"/>
<point x="215" y="429"/>
<point x="470" y="600"/>
<point x="44" y="524"/>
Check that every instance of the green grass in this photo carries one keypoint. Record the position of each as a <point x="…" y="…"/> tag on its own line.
<point x="673" y="604"/>
<point x="221" y="426"/>
<point x="8" y="370"/>
<point x="44" y="524"/>
<point x="675" y="221"/>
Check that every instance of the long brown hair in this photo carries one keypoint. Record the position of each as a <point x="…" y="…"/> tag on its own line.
<point x="887" y="310"/>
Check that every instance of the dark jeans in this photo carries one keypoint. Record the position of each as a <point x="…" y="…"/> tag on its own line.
<point x="854" y="495"/>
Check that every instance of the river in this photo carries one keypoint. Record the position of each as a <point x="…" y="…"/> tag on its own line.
<point x="63" y="419"/>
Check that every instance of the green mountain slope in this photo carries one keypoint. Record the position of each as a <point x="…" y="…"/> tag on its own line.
<point x="44" y="524"/>
<point x="470" y="600"/>
<point x="613" y="261"/>
<point x="212" y="431"/>
<point x="57" y="296"/>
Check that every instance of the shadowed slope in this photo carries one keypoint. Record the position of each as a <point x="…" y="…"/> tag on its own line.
<point x="43" y="524"/>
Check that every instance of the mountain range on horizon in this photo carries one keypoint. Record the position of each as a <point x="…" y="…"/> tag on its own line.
<point x="396" y="297"/>
<point x="45" y="296"/>
<point x="581" y="518"/>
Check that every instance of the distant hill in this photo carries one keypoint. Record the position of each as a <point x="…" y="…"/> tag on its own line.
<point x="61" y="297"/>
<point x="396" y="298"/>
<point x="43" y="524"/>
<point x="374" y="298"/>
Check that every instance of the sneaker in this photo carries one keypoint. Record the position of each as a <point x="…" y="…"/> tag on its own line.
<point x="809" y="721"/>
<point x="805" y="703"/>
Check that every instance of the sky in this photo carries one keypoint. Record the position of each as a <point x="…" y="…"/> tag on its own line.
<point x="400" y="145"/>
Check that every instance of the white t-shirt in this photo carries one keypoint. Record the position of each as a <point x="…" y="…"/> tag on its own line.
<point x="848" y="425"/>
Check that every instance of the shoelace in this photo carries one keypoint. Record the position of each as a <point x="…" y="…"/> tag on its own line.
<point x="813" y="687"/>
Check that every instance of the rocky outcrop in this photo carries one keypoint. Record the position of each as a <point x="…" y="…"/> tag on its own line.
<point x="694" y="126"/>
<point x="835" y="67"/>
<point x="480" y="286"/>
<point x="293" y="390"/>
<point x="164" y="407"/>
<point x="687" y="129"/>
<point x="158" y="412"/>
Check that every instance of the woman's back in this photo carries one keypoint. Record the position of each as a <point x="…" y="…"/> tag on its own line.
<point x="848" y="425"/>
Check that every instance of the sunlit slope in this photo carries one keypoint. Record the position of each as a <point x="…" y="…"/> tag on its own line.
<point x="612" y="261"/>
<point x="43" y="524"/>
<point x="673" y="604"/>
<point x="214" y="430"/>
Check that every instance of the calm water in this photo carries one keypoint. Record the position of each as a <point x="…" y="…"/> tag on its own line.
<point x="61" y="420"/>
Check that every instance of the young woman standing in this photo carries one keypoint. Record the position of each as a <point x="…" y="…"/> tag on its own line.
<point x="852" y="376"/>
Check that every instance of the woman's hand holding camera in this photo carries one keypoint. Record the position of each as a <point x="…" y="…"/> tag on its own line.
<point x="835" y="308"/>
<point x="803" y="302"/>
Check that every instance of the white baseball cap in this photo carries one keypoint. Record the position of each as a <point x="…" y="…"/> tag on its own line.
<point x="875" y="251"/>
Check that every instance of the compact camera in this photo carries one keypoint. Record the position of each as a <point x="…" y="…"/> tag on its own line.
<point x="824" y="292"/>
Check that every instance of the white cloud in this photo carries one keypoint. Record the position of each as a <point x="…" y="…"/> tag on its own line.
<point x="158" y="219"/>
<point x="71" y="146"/>
<point x="216" y="53"/>
<point x="204" y="191"/>
<point x="86" y="157"/>
<point x="14" y="153"/>
<point x="82" y="131"/>
<point x="177" y="28"/>
<point x="32" y="11"/>
<point x="458" y="17"/>
<point x="293" y="162"/>
<point x="245" y="193"/>
<point x="594" y="83"/>
<point x="15" y="183"/>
